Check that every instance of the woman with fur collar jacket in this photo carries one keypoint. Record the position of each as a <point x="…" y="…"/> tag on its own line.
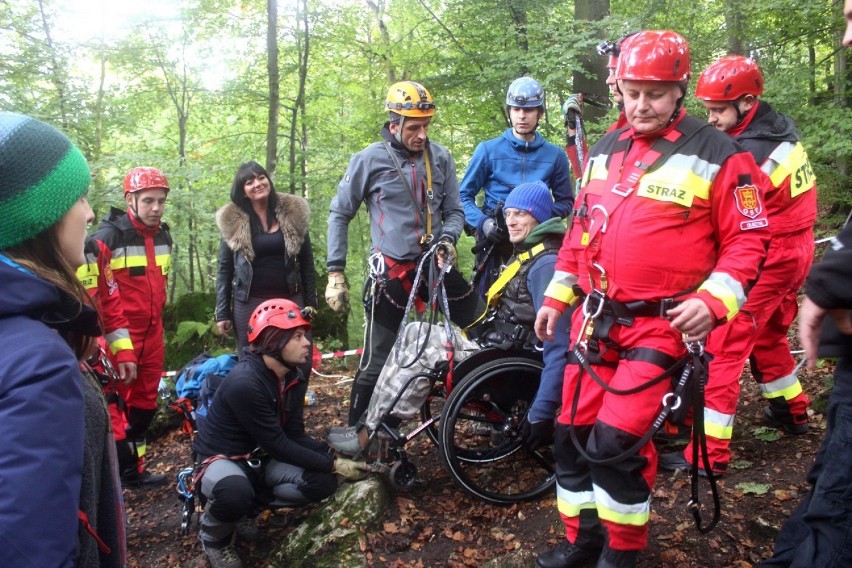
<point x="265" y="251"/>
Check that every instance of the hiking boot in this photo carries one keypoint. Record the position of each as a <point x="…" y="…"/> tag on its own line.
<point x="566" y="555"/>
<point x="785" y="421"/>
<point x="247" y="530"/>
<point x="222" y="557"/>
<point x="617" y="558"/>
<point x="339" y="434"/>
<point x="674" y="461"/>
<point x="134" y="480"/>
<point x="337" y="430"/>
<point x="346" y="442"/>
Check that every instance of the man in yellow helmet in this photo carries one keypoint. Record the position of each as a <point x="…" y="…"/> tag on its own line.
<point x="411" y="191"/>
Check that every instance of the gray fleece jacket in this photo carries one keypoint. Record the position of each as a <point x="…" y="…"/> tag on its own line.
<point x="396" y="224"/>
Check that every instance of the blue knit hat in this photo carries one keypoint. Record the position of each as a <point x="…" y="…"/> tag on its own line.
<point x="534" y="198"/>
<point x="42" y="175"/>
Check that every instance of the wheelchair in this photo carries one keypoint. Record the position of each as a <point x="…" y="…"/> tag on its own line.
<point x="475" y="416"/>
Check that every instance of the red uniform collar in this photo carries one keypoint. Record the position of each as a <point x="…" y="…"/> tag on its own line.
<point x="740" y="128"/>
<point x="141" y="228"/>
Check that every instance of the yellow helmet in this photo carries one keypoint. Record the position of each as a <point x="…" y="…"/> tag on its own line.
<point x="408" y="98"/>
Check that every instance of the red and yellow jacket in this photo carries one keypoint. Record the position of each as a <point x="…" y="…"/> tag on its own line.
<point x="99" y="281"/>
<point x="672" y="214"/>
<point x="791" y="198"/>
<point x="140" y="259"/>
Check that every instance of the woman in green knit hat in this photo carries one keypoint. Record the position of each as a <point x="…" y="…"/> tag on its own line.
<point x="58" y="503"/>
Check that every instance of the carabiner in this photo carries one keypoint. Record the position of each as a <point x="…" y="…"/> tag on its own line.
<point x="601" y="208"/>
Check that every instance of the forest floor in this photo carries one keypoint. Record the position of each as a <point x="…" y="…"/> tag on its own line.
<point x="435" y="524"/>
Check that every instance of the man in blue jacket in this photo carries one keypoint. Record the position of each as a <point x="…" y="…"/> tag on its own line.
<point x="519" y="155"/>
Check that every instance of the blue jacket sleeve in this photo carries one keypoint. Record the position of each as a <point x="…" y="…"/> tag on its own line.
<point x="549" y="395"/>
<point x="477" y="173"/>
<point x="42" y="432"/>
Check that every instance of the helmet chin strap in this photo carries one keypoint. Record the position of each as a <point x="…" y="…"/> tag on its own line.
<point x="134" y="208"/>
<point x="398" y="134"/>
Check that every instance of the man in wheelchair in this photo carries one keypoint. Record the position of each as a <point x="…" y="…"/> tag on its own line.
<point x="513" y="301"/>
<point x="253" y="439"/>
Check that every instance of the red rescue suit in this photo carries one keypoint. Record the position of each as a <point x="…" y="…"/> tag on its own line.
<point x="99" y="281"/>
<point x="761" y="327"/>
<point x="674" y="214"/>
<point x="140" y="258"/>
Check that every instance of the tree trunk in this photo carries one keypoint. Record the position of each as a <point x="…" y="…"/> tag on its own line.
<point x="297" y="147"/>
<point x="57" y="73"/>
<point x="841" y="93"/>
<point x="519" y="17"/>
<point x="274" y="85"/>
<point x="592" y="78"/>
<point x="735" y="25"/>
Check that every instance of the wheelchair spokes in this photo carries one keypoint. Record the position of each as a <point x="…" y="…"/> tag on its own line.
<point x="481" y="442"/>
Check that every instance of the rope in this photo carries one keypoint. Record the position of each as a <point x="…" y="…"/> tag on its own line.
<point x="376" y="264"/>
<point x="580" y="138"/>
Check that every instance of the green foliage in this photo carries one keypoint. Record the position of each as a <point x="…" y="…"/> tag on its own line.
<point x="189" y="93"/>
<point x="190" y="330"/>
<point x="741" y="464"/>
<point x="751" y="488"/>
<point x="766" y="434"/>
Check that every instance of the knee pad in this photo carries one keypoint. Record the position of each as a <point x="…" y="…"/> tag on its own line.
<point x="231" y="498"/>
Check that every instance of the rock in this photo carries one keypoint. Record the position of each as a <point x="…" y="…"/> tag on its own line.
<point x="335" y="534"/>
<point x="517" y="559"/>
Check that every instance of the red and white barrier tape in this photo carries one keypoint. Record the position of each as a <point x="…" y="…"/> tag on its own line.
<point x="342" y="353"/>
<point x="333" y="355"/>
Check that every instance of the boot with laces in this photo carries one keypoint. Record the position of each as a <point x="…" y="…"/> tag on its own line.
<point x="222" y="556"/>
<point x="567" y="555"/>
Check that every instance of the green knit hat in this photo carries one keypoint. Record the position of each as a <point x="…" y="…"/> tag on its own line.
<point x="42" y="175"/>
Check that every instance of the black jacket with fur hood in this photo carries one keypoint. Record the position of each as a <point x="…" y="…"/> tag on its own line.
<point x="233" y="278"/>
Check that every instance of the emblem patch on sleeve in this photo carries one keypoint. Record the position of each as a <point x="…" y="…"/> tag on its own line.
<point x="748" y="201"/>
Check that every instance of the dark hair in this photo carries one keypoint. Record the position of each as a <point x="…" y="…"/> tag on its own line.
<point x="271" y="341"/>
<point x="245" y="173"/>
<point x="39" y="255"/>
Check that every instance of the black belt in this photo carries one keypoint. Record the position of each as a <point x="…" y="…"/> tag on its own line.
<point x="646" y="354"/>
<point x="625" y="312"/>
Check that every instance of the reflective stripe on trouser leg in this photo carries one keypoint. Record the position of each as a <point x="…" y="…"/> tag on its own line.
<point x="787" y="263"/>
<point x="575" y="497"/>
<point x="719" y="428"/>
<point x="728" y="347"/>
<point x="623" y="490"/>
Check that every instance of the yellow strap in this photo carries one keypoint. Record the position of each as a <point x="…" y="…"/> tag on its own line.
<point x="496" y="289"/>
<point x="428" y="191"/>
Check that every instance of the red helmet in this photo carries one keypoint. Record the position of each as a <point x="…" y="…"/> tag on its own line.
<point x="729" y="78"/>
<point x="142" y="177"/>
<point x="277" y="313"/>
<point x="654" y="55"/>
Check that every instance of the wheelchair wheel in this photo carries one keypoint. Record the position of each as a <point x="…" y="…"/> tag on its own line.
<point x="403" y="474"/>
<point x="481" y="444"/>
<point x="432" y="409"/>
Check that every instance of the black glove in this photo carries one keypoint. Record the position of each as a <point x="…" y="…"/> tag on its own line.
<point x="538" y="434"/>
<point x="447" y="251"/>
<point x="492" y="231"/>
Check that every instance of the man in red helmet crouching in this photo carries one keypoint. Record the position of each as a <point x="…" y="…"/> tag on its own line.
<point x="667" y="237"/>
<point x="252" y="440"/>
<point x="138" y="250"/>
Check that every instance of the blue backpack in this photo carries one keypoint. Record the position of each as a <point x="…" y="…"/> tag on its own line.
<point x="197" y="372"/>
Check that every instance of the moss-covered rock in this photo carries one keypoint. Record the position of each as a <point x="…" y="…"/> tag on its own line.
<point x="335" y="535"/>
